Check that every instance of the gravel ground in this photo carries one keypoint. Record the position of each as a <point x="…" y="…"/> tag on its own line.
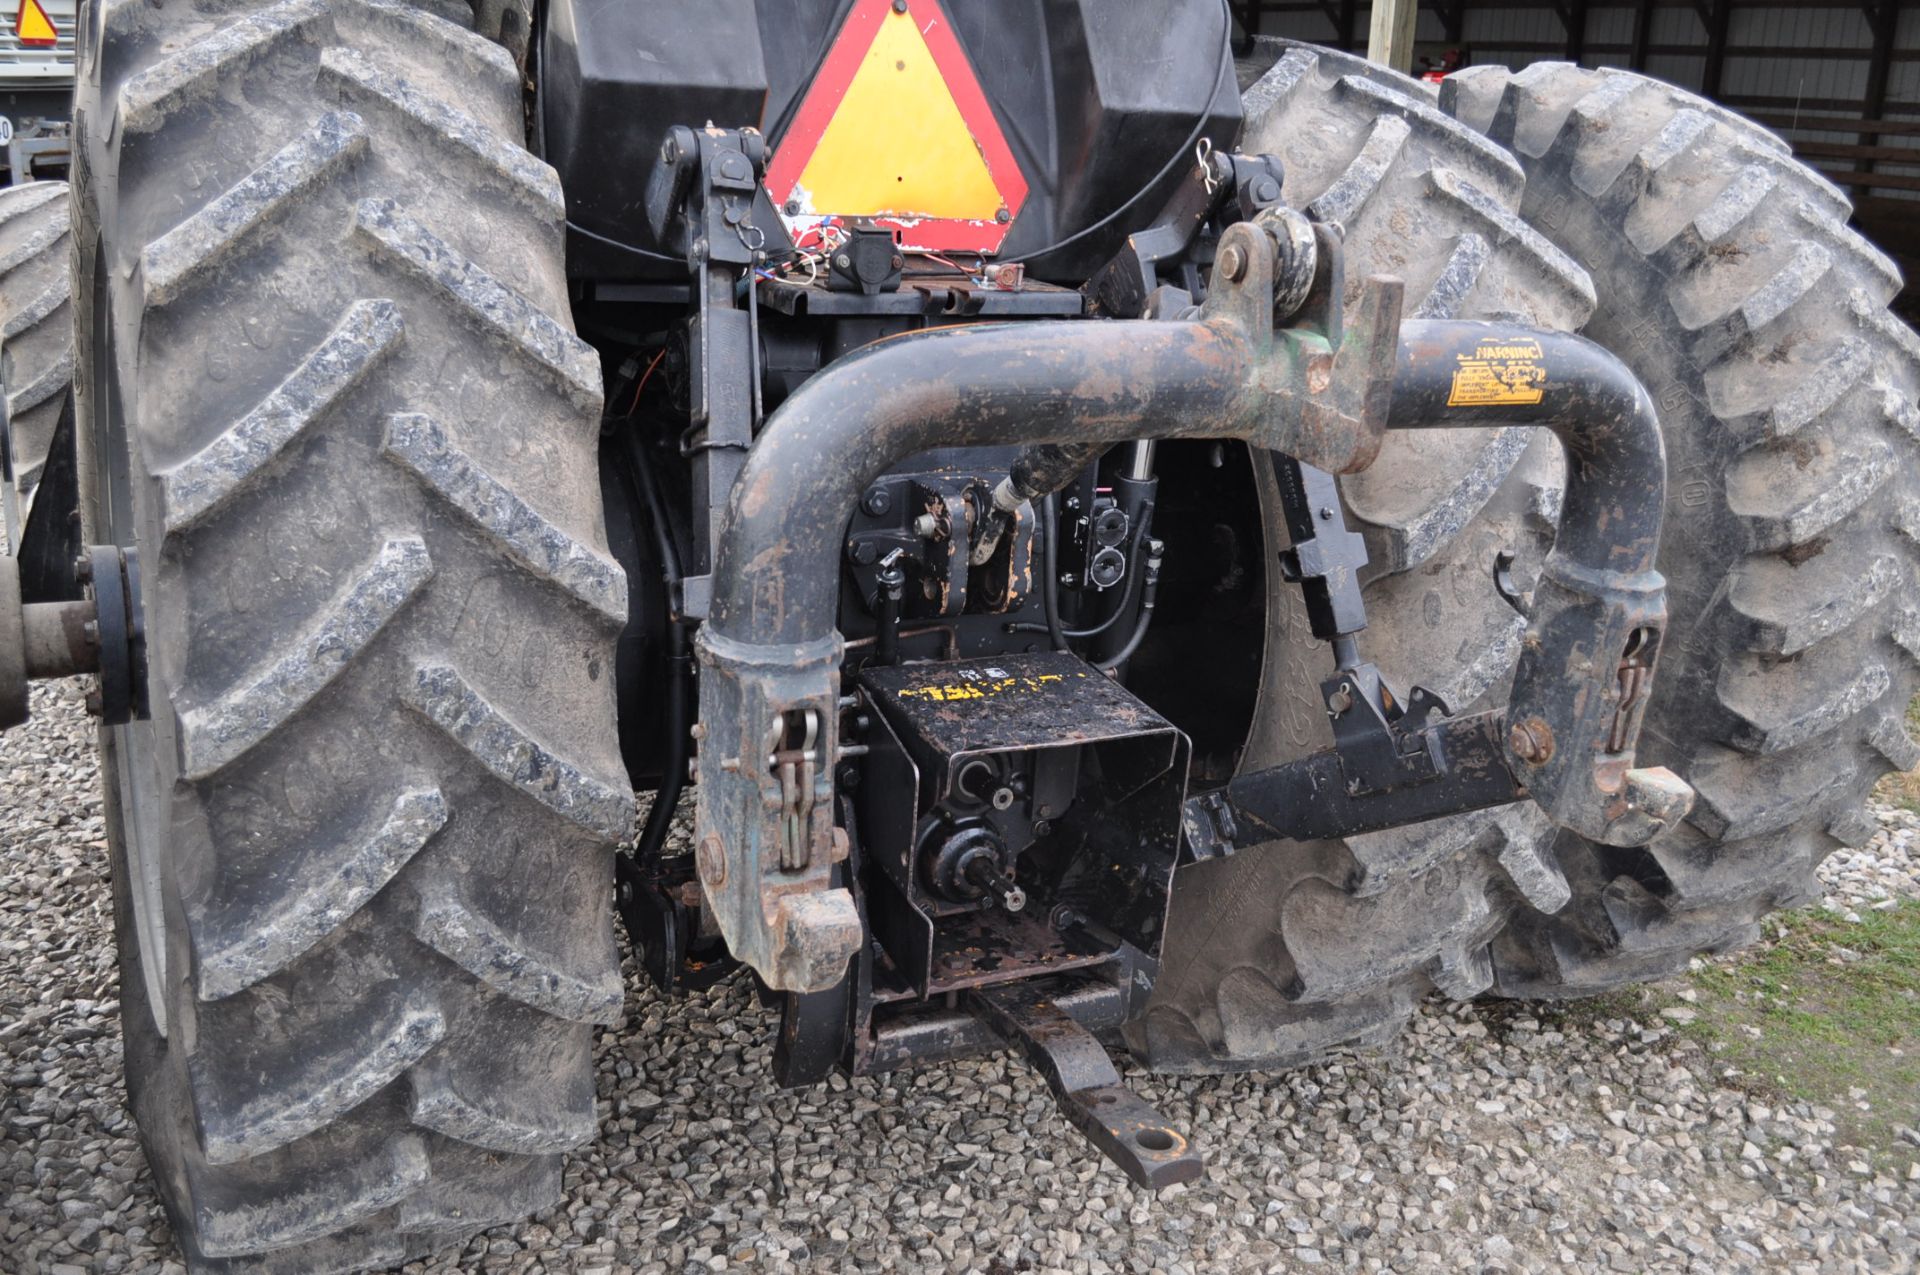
<point x="1492" y="1137"/>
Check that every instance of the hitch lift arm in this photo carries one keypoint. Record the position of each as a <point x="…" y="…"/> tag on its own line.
<point x="1586" y="667"/>
<point x="1599" y="612"/>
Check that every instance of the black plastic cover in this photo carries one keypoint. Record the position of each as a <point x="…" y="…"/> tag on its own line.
<point x="1094" y="96"/>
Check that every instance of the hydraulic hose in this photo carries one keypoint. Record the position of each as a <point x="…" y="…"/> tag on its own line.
<point x="679" y="715"/>
<point x="776" y="570"/>
<point x="1121" y="609"/>
<point x="1050" y="582"/>
<point x="1149" y="597"/>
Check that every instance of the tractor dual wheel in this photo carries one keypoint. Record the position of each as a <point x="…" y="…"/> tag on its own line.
<point x="36" y="335"/>
<point x="1280" y="953"/>
<point x="362" y="852"/>
<point x="1790" y="400"/>
<point x="1729" y="282"/>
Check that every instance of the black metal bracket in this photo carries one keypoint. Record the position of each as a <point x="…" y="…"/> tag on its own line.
<point x="706" y="197"/>
<point x="1392" y="762"/>
<point x="1325" y="558"/>
<point x="50" y="537"/>
<point x="1177" y="249"/>
<point x="1091" y="1094"/>
<point x="103" y="633"/>
<point x="1314" y="799"/>
<point x="662" y="928"/>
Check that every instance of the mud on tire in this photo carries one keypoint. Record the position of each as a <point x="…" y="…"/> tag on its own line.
<point x="362" y="852"/>
<point x="1787" y="394"/>
<point x="1278" y="954"/>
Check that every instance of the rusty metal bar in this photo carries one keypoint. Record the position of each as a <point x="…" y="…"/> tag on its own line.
<point x="770" y="653"/>
<point x="982" y="385"/>
<point x="1455" y="374"/>
<point x="1599" y="612"/>
<point x="59" y="639"/>
<point x="43" y="640"/>
<point x="1090" y="385"/>
<point x="1090" y="1092"/>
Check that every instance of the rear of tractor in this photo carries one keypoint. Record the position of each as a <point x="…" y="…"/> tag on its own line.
<point x="1119" y="556"/>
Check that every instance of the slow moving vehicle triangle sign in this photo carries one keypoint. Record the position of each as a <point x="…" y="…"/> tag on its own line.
<point x="895" y="129"/>
<point x="31" y="25"/>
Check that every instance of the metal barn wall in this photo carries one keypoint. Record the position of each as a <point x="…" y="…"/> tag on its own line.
<point x="1840" y="79"/>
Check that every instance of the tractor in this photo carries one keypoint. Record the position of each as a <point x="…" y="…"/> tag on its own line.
<point x="1047" y="527"/>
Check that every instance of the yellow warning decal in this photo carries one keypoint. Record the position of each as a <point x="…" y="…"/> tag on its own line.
<point x="1501" y="372"/>
<point x="982" y="684"/>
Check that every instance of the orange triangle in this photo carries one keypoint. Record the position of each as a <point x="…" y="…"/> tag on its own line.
<point x="32" y="25"/>
<point x="897" y="143"/>
<point x="895" y="127"/>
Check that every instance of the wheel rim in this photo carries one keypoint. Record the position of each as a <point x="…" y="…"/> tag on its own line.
<point x="131" y="753"/>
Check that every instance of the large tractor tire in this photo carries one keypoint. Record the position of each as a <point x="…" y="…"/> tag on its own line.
<point x="1280" y="953"/>
<point x="362" y="852"/>
<point x="1787" y="393"/>
<point x="1790" y="401"/>
<point x="36" y="334"/>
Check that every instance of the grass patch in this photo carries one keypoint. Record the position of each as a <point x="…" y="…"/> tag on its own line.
<point x="1836" y="1008"/>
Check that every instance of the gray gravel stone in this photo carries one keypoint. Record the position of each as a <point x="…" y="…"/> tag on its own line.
<point x="1492" y="1137"/>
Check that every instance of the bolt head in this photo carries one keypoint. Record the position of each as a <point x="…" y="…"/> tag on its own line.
<point x="865" y="553"/>
<point x="1531" y="741"/>
<point x="793" y="207"/>
<point x="899" y="6"/>
<point x="83" y="568"/>
<point x="843" y="261"/>
<point x="1232" y="263"/>
<point x="878" y="501"/>
<point x="1002" y="215"/>
<point x="712" y="860"/>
